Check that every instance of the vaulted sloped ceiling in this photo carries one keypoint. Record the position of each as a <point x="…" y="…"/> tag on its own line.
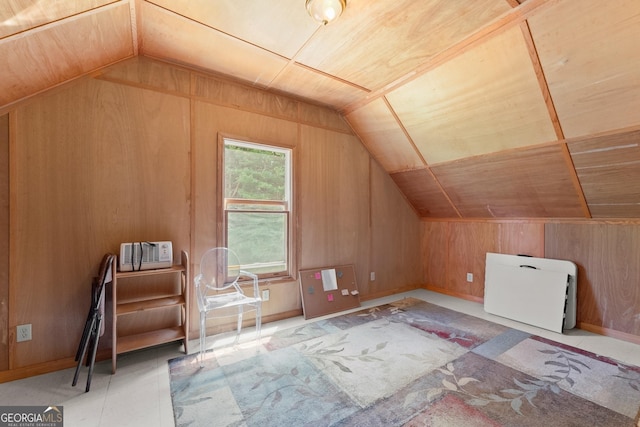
<point x="476" y="108"/>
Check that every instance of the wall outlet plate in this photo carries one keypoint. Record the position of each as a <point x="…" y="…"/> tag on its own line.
<point x="469" y="277"/>
<point x="265" y="295"/>
<point x="23" y="333"/>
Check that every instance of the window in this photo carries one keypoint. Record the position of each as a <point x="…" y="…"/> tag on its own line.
<point x="256" y="202"/>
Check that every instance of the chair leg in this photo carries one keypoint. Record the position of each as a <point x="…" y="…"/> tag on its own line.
<point x="203" y="336"/>
<point x="85" y="334"/>
<point x="258" y="320"/>
<point x="94" y="350"/>
<point x="240" y="312"/>
<point x="83" y="348"/>
<point x="88" y="324"/>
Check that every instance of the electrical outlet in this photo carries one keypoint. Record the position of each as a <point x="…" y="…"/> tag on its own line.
<point x="265" y="295"/>
<point x="470" y="277"/>
<point x="23" y="333"/>
<point x="373" y="276"/>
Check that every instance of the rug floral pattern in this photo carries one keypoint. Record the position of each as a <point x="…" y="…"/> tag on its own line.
<point x="409" y="363"/>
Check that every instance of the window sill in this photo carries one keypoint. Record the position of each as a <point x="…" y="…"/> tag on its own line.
<point x="269" y="280"/>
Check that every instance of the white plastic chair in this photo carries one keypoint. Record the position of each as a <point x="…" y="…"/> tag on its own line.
<point x="219" y="294"/>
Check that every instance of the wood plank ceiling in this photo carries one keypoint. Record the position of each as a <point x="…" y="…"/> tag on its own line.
<point x="477" y="109"/>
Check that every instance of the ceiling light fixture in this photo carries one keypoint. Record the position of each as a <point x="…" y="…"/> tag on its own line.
<point x="325" y="11"/>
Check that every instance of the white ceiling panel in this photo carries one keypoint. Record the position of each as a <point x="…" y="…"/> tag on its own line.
<point x="322" y="89"/>
<point x="591" y="58"/>
<point x="21" y="15"/>
<point x="485" y="100"/>
<point x="375" y="43"/>
<point x="53" y="54"/>
<point x="172" y="37"/>
<point x="384" y="137"/>
<point x="280" y="26"/>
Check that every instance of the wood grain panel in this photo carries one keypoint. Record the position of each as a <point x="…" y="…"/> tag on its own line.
<point x="209" y="121"/>
<point x="152" y="74"/>
<point x="205" y="122"/>
<point x="468" y="246"/>
<point x="383" y="136"/>
<point x="54" y="54"/>
<point x="529" y="183"/>
<point x="276" y="25"/>
<point x="608" y="259"/>
<point x="423" y="192"/>
<point x="96" y="165"/>
<point x="590" y="57"/>
<point x="393" y="38"/>
<point x="435" y="250"/>
<point x="4" y="242"/>
<point x="612" y="189"/>
<point x="521" y="238"/>
<point x="21" y="15"/>
<point x="333" y="199"/>
<point x="608" y="168"/>
<point x="244" y="97"/>
<point x="452" y="249"/>
<point x="605" y="150"/>
<point x="395" y="239"/>
<point x="452" y="113"/>
<point x="177" y="39"/>
<point x="306" y="83"/>
<point x="322" y="116"/>
<point x="622" y="210"/>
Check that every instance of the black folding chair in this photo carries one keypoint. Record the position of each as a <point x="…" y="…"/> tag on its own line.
<point x="93" y="326"/>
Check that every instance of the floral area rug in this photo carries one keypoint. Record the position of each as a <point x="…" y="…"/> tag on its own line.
<point x="408" y="363"/>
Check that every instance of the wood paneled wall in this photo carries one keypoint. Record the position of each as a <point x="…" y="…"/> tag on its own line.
<point x="608" y="259"/>
<point x="131" y="154"/>
<point x="395" y="252"/>
<point x="607" y="255"/>
<point x="451" y="249"/>
<point x="334" y="183"/>
<point x="4" y="242"/>
<point x="95" y="165"/>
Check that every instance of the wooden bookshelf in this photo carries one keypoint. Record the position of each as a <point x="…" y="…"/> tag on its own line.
<point x="135" y="297"/>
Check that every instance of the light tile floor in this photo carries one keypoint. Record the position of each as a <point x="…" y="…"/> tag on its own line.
<point x="138" y="394"/>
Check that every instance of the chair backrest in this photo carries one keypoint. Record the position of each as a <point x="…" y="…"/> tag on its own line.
<point x="105" y="275"/>
<point x="219" y="268"/>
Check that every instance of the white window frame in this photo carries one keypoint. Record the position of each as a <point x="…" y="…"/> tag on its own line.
<point x="285" y="206"/>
